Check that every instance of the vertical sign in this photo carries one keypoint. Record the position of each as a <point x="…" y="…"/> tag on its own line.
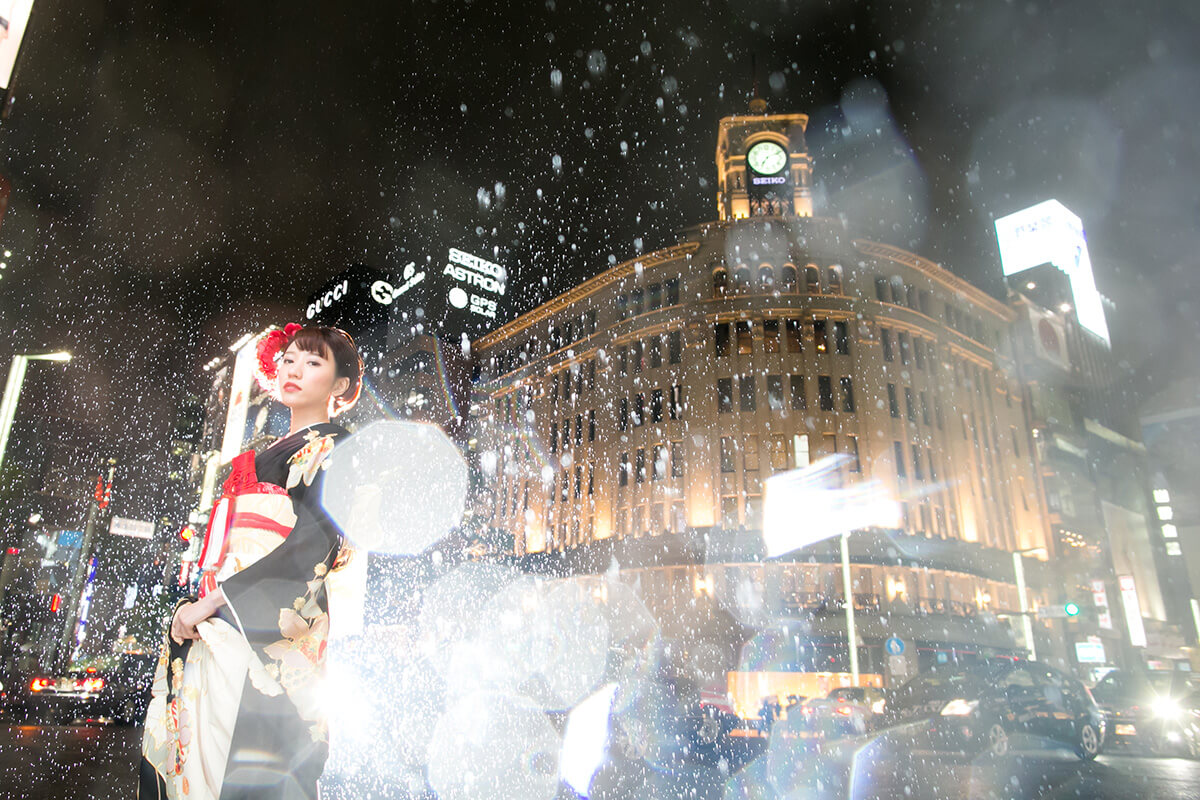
<point x="1100" y="599"/>
<point x="14" y="15"/>
<point x="239" y="400"/>
<point x="1133" y="611"/>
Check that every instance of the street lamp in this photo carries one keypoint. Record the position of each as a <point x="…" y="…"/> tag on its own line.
<point x="1026" y="622"/>
<point x="12" y="390"/>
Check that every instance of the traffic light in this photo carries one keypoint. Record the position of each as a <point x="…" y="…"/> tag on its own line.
<point x="187" y="534"/>
<point x="1071" y="609"/>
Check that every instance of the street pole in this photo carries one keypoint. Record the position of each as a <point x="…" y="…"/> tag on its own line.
<point x="848" y="601"/>
<point x="1027" y="623"/>
<point x="75" y="588"/>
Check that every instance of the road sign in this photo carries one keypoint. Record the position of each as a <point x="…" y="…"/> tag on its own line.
<point x="894" y="646"/>
<point x="131" y="527"/>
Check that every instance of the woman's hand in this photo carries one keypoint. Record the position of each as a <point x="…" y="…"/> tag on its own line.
<point x="189" y="615"/>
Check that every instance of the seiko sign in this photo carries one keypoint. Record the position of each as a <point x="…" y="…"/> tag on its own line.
<point x="384" y="293"/>
<point x="765" y="180"/>
<point x="328" y="299"/>
<point x="476" y="272"/>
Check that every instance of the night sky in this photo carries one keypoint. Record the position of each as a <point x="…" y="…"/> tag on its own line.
<point x="186" y="172"/>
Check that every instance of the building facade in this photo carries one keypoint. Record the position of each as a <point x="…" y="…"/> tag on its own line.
<point x="639" y="416"/>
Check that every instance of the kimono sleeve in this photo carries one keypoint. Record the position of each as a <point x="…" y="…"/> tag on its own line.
<point x="279" y="602"/>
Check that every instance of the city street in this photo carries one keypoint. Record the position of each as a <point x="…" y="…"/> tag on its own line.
<point x="97" y="763"/>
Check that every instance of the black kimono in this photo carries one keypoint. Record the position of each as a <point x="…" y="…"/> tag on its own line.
<point x="237" y="713"/>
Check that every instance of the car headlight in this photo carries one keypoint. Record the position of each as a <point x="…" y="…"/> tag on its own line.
<point x="959" y="707"/>
<point x="1166" y="708"/>
<point x="878" y="706"/>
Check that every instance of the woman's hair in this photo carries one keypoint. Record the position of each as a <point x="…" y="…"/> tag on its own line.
<point x="337" y="345"/>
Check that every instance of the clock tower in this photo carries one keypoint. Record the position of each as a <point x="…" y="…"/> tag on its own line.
<point x="763" y="168"/>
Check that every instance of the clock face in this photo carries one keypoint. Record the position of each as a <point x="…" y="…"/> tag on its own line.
<point x="767" y="158"/>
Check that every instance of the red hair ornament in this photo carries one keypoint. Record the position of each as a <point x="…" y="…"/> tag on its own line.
<point x="269" y="347"/>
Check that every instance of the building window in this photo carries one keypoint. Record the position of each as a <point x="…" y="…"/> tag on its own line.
<point x="727" y="455"/>
<point x="672" y="286"/>
<point x="841" y="338"/>
<point x="566" y="485"/>
<point x="924" y="408"/>
<point x="720" y="283"/>
<point x="746" y="387"/>
<point x="654" y="294"/>
<point x="893" y="405"/>
<point x="639" y="466"/>
<point x="778" y="446"/>
<point x="623" y="414"/>
<point x="635" y="302"/>
<point x="918" y="473"/>
<point x="847" y="394"/>
<point x="721" y="339"/>
<point x="659" y="468"/>
<point x="825" y="393"/>
<point x="591" y="480"/>
<point x="898" y="452"/>
<point x="566" y="434"/>
<point x="639" y="409"/>
<point x="1016" y="447"/>
<point x="656" y="406"/>
<point x="623" y="470"/>
<point x="775" y="392"/>
<point x="635" y="356"/>
<point x="592" y="425"/>
<point x="578" y="482"/>
<point x="905" y="348"/>
<point x="654" y="356"/>
<point x="724" y="395"/>
<point x="813" y="279"/>
<point x="553" y="438"/>
<point x="800" y="454"/>
<point x="834" y="275"/>
<point x="578" y="429"/>
<point x="622" y="307"/>
<point x="770" y="336"/>
<point x="919" y="352"/>
<point x="623" y="360"/>
<point x="766" y="278"/>
<point x="729" y="512"/>
<point x="676" y="403"/>
<point x="885" y="338"/>
<point x="820" y="339"/>
<point x="799" y="402"/>
<point x="676" y="459"/>
<point x="787" y="279"/>
<point x="794" y="342"/>
<point x="852" y="451"/>
<point x="750" y="454"/>
<point x="745" y="340"/>
<point x="741" y="280"/>
<point x="881" y="290"/>
<point x="675" y="347"/>
<point x="909" y="410"/>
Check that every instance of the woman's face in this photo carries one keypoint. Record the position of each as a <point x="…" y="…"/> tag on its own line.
<point x="306" y="380"/>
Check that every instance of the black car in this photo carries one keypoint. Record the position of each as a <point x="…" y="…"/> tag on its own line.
<point x="978" y="708"/>
<point x="1156" y="709"/>
<point x="118" y="694"/>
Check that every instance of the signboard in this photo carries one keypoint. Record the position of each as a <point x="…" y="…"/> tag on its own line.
<point x="14" y="16"/>
<point x="71" y="539"/>
<point x="1090" y="652"/>
<point x="894" y="646"/>
<point x="239" y="400"/>
<point x="478" y="283"/>
<point x="1100" y="598"/>
<point x="1049" y="233"/>
<point x="359" y="300"/>
<point x="120" y="526"/>
<point x="1133" y="610"/>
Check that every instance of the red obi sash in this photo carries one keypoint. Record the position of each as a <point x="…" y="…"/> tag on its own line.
<point x="226" y="516"/>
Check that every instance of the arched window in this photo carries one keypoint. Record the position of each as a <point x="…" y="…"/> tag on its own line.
<point x="766" y="278"/>
<point x="741" y="279"/>
<point x="787" y="278"/>
<point x="813" y="279"/>
<point x="834" y="275"/>
<point x="720" y="282"/>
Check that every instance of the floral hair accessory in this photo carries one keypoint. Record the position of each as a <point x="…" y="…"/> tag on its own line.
<point x="268" y="349"/>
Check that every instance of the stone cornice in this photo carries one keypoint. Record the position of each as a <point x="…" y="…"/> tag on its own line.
<point x="936" y="273"/>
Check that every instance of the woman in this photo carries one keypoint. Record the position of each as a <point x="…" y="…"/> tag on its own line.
<point x="235" y="711"/>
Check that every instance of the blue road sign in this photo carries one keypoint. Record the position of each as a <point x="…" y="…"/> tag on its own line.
<point x="894" y="646"/>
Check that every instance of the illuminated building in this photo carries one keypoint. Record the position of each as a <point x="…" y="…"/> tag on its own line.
<point x="1094" y="474"/>
<point x="637" y="416"/>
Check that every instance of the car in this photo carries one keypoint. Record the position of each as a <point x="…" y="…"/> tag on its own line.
<point x="845" y="711"/>
<point x="978" y="708"/>
<point x="1155" y="709"/>
<point x="117" y="694"/>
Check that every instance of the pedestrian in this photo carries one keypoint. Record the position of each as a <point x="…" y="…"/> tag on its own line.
<point x="235" y="710"/>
